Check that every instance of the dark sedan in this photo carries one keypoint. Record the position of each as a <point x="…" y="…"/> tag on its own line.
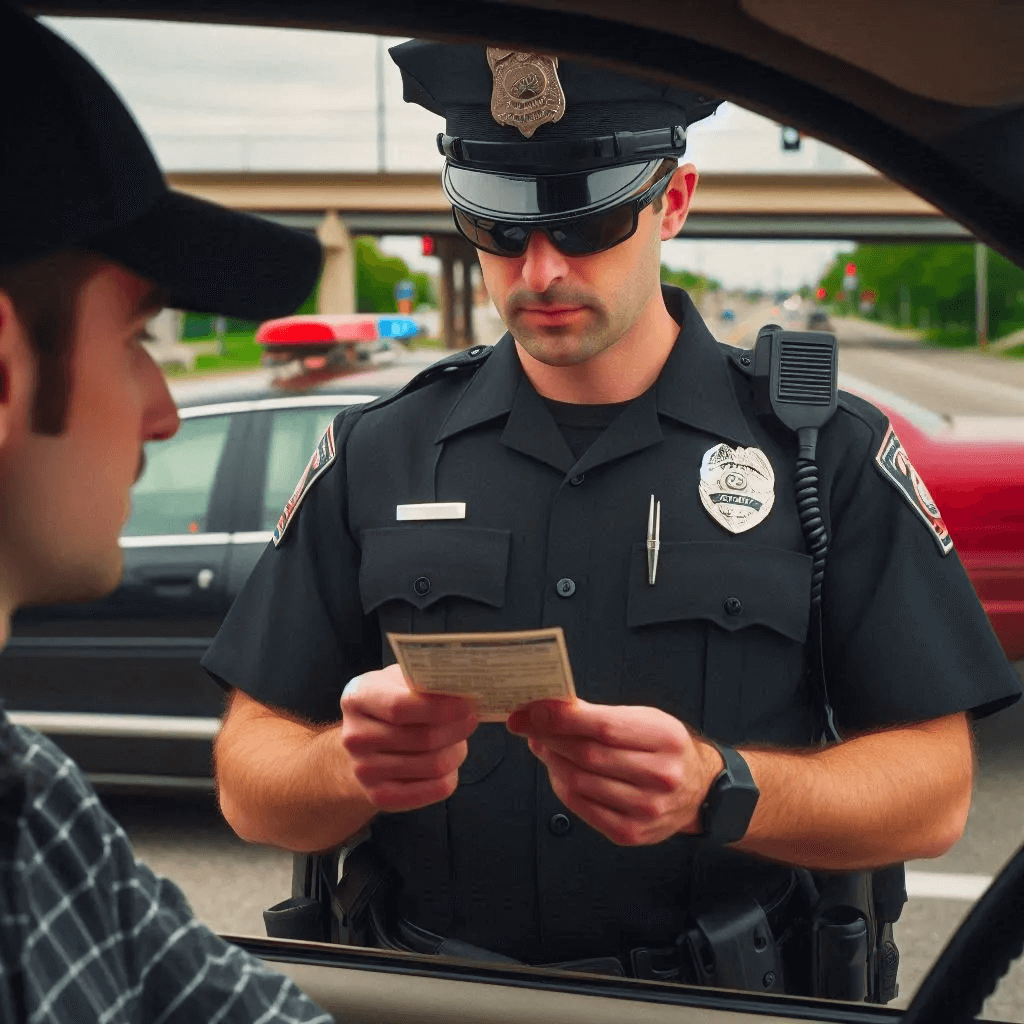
<point x="117" y="682"/>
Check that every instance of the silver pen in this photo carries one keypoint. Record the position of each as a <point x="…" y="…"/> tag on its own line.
<point x="653" y="540"/>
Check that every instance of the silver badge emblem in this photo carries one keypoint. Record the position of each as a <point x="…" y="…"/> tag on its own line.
<point x="737" y="486"/>
<point x="527" y="92"/>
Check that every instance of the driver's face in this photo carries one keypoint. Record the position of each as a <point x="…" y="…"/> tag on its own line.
<point x="65" y="499"/>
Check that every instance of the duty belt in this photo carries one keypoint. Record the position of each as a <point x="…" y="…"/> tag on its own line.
<point x="736" y="944"/>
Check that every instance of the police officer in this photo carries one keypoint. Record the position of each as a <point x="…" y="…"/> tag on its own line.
<point x="688" y="775"/>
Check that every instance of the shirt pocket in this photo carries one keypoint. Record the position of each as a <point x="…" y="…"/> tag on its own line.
<point x="718" y="639"/>
<point x="440" y="579"/>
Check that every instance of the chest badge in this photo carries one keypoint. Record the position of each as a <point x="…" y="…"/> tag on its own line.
<point x="527" y="92"/>
<point x="737" y="486"/>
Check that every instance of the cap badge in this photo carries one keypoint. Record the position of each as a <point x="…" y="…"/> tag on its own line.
<point x="737" y="486"/>
<point x="527" y="92"/>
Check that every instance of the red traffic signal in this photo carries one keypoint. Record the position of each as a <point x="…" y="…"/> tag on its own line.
<point x="429" y="246"/>
<point x="851" y="269"/>
<point x="821" y="294"/>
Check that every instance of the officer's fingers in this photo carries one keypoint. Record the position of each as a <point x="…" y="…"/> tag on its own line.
<point x="625" y="726"/>
<point x="362" y="736"/>
<point x="385" y="697"/>
<point x="579" y="786"/>
<point x="381" y="769"/>
<point x="658" y="773"/>
<point x="396" y="796"/>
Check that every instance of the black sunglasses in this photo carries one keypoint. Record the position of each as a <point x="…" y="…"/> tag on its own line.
<point x="577" y="236"/>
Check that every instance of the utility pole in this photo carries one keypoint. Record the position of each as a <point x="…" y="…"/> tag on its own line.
<point x="981" y="293"/>
<point x="381" y="136"/>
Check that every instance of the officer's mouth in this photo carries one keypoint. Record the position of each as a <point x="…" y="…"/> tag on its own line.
<point x="552" y="314"/>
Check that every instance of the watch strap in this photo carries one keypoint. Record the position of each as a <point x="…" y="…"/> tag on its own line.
<point x="731" y="798"/>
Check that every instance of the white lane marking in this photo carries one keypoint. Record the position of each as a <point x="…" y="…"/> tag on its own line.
<point x="943" y="886"/>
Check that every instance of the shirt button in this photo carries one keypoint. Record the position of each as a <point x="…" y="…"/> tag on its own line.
<point x="421" y="585"/>
<point x="577" y="480"/>
<point x="565" y="587"/>
<point x="560" y="824"/>
<point x="733" y="606"/>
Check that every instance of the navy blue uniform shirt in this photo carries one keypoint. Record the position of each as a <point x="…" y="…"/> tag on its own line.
<point x="718" y="641"/>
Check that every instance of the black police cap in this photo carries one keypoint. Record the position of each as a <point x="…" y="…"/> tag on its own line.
<point x="76" y="171"/>
<point x="531" y="137"/>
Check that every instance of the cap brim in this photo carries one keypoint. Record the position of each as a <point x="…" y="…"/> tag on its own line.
<point x="537" y="199"/>
<point x="215" y="260"/>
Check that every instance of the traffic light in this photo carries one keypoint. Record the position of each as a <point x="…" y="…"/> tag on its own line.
<point x="790" y="138"/>
<point x="851" y="269"/>
<point x="429" y="246"/>
<point x="821" y="294"/>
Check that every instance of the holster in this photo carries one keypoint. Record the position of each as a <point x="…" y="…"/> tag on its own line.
<point x="324" y="908"/>
<point x="732" y="946"/>
<point x="853" y="952"/>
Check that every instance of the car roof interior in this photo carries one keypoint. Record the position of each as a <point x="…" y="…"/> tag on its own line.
<point x="930" y="93"/>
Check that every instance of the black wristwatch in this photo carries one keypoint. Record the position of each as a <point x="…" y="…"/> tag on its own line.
<point x="731" y="800"/>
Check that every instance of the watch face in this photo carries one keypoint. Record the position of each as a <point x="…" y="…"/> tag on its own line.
<point x="731" y="800"/>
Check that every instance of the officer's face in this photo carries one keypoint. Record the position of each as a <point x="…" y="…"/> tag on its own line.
<point x="65" y="499"/>
<point x="565" y="310"/>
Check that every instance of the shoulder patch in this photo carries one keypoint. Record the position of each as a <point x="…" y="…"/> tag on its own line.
<point x="323" y="455"/>
<point x="896" y="467"/>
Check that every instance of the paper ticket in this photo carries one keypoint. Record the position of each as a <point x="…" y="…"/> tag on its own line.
<point x="499" y="672"/>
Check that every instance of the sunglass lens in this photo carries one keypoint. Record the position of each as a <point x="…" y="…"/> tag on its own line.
<point x="501" y="239"/>
<point x="594" y="233"/>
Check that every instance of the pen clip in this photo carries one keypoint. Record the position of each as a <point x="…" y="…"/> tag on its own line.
<point x="653" y="540"/>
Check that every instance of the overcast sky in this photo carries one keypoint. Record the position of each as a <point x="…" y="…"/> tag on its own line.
<point x="218" y="97"/>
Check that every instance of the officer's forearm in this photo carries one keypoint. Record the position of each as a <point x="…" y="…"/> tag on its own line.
<point x="284" y="783"/>
<point x="876" y="799"/>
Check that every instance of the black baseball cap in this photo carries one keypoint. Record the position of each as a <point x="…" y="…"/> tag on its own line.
<point x="76" y="171"/>
<point x="533" y="139"/>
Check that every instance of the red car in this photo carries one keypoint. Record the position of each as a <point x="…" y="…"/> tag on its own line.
<point x="974" y="468"/>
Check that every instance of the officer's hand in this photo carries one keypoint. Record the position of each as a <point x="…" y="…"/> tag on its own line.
<point x="635" y="774"/>
<point x="405" y="747"/>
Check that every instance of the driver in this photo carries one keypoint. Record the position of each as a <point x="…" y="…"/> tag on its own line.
<point x="92" y="245"/>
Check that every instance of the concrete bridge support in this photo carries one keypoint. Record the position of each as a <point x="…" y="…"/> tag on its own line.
<point x="338" y="281"/>
<point x="456" y="290"/>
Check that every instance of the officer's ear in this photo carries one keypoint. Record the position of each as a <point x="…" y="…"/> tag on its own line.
<point x="17" y="373"/>
<point x="676" y="200"/>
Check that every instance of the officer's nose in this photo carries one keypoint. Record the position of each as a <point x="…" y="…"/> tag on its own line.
<point x="543" y="264"/>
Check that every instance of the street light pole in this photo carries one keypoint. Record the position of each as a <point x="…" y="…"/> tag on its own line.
<point x="981" y="293"/>
<point x="381" y="137"/>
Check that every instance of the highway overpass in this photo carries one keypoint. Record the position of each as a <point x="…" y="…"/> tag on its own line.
<point x="860" y="207"/>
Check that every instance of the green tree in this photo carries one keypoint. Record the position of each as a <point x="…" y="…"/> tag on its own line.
<point x="695" y="284"/>
<point x="931" y="286"/>
<point x="377" y="275"/>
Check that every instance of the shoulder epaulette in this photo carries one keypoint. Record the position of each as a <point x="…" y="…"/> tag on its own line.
<point x="468" y="360"/>
<point x="739" y="357"/>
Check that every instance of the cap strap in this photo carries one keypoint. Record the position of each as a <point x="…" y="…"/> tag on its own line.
<point x="573" y="154"/>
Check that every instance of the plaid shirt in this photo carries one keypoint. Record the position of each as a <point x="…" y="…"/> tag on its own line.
<point x="88" y="934"/>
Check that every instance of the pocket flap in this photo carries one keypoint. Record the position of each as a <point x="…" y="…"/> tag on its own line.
<point x="422" y="564"/>
<point x="732" y="585"/>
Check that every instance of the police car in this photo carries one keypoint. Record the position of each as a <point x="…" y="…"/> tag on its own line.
<point x="875" y="78"/>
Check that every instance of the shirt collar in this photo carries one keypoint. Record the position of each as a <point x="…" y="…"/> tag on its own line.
<point x="695" y="386"/>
